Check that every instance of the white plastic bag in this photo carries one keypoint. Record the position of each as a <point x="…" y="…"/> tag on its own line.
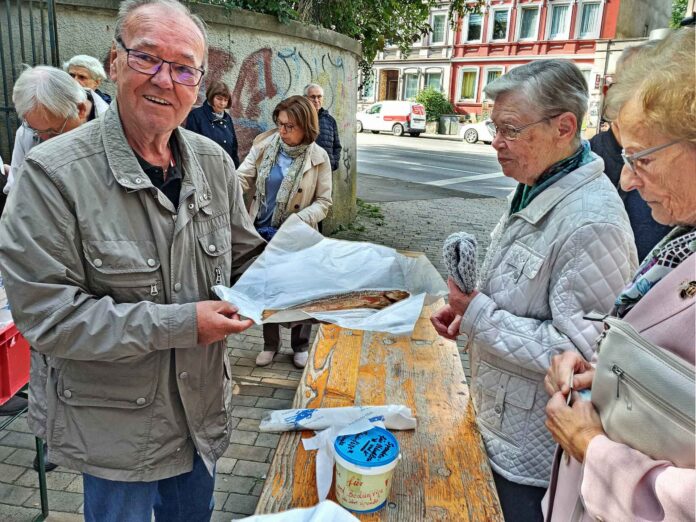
<point x="394" y="417"/>
<point x="301" y="265"/>
<point x="323" y="512"/>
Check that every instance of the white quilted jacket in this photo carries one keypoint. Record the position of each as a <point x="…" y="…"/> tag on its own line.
<point x="570" y="252"/>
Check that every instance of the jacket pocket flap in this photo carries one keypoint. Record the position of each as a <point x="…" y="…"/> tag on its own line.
<point x="524" y="260"/>
<point x="518" y="391"/>
<point x="121" y="256"/>
<point x="217" y="242"/>
<point x="126" y="385"/>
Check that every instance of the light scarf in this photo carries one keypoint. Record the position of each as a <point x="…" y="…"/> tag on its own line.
<point x="291" y="181"/>
<point x="677" y="246"/>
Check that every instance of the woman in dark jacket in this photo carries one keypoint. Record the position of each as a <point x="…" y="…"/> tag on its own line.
<point x="212" y="120"/>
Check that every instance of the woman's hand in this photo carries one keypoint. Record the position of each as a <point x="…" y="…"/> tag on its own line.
<point x="458" y="300"/>
<point x="446" y="322"/>
<point x="562" y="367"/>
<point x="573" y="427"/>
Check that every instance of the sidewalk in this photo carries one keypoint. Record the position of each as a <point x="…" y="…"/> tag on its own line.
<point x="419" y="225"/>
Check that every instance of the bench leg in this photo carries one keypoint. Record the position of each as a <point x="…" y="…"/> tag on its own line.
<point x="43" y="490"/>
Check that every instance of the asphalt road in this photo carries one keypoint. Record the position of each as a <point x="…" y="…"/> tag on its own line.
<point x="430" y="163"/>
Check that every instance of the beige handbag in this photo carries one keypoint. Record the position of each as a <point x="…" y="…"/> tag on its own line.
<point x="644" y="394"/>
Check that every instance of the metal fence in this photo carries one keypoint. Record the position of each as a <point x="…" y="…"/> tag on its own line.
<point x="28" y="35"/>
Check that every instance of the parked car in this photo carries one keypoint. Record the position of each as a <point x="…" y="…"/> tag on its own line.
<point x="481" y="131"/>
<point x="396" y="117"/>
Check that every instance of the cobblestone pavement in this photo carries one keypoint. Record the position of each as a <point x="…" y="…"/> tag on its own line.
<point x="419" y="225"/>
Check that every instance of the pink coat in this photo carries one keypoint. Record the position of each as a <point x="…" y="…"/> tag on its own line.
<point x="616" y="482"/>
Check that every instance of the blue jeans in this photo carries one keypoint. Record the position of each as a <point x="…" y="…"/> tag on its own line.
<point x="185" y="498"/>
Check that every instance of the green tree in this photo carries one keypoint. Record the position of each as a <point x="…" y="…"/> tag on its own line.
<point x="435" y="103"/>
<point x="678" y="12"/>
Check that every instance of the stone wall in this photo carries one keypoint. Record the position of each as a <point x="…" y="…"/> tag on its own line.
<point x="263" y="62"/>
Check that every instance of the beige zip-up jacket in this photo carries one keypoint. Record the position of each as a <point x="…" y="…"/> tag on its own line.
<point x="312" y="201"/>
<point x="103" y="273"/>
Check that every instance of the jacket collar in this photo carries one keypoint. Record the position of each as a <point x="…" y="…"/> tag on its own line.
<point x="315" y="152"/>
<point x="126" y="169"/>
<point x="553" y="195"/>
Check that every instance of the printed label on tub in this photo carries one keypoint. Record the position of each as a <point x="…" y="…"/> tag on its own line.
<point x="364" y="467"/>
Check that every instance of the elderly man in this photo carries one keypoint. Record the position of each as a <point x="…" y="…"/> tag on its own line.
<point x="89" y="72"/>
<point x="110" y="255"/>
<point x="328" y="130"/>
<point x="49" y="102"/>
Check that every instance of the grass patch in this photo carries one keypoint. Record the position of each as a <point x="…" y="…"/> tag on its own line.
<point x="368" y="210"/>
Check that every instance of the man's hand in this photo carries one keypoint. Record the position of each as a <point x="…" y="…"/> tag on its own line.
<point x="458" y="300"/>
<point x="573" y="427"/>
<point x="217" y="319"/>
<point x="6" y="169"/>
<point x="562" y="367"/>
<point x="446" y="322"/>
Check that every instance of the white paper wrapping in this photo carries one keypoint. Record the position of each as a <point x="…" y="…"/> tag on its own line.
<point x="394" y="417"/>
<point x="301" y="265"/>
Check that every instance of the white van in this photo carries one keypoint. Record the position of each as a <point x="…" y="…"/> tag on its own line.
<point x="396" y="117"/>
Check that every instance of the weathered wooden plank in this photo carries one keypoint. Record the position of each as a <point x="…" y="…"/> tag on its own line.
<point x="444" y="473"/>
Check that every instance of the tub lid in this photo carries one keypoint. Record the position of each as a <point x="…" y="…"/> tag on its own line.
<point x="376" y="447"/>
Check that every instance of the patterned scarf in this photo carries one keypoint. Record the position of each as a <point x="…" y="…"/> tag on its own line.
<point x="677" y="246"/>
<point x="291" y="181"/>
<point x="525" y="193"/>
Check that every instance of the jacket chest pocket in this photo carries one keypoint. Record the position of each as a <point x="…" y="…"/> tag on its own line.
<point x="521" y="263"/>
<point x="217" y="256"/>
<point x="504" y="403"/>
<point x="127" y="271"/>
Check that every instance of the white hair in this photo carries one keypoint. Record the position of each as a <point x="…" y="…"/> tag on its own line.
<point x="126" y="9"/>
<point x="550" y="86"/>
<point x="313" y="86"/>
<point x="47" y="88"/>
<point x="94" y="66"/>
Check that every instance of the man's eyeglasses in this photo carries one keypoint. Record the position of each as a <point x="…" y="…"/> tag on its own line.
<point x="48" y="133"/>
<point x="510" y="133"/>
<point x="287" y="127"/>
<point x="630" y="160"/>
<point x="315" y="96"/>
<point x="150" y="64"/>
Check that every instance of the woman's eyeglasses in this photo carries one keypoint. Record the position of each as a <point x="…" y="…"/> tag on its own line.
<point x="287" y="127"/>
<point x="510" y="133"/>
<point x="49" y="133"/>
<point x="630" y="160"/>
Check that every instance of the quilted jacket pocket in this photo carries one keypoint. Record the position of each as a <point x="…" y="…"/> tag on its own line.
<point x="504" y="402"/>
<point x="524" y="261"/>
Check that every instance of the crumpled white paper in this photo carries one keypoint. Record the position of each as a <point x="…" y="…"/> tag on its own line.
<point x="394" y="417"/>
<point x="301" y="265"/>
<point x="323" y="512"/>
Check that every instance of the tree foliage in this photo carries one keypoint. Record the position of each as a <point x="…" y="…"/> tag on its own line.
<point x="374" y="23"/>
<point x="435" y="103"/>
<point x="678" y="12"/>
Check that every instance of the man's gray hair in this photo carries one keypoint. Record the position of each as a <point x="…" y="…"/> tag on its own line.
<point x="49" y="89"/>
<point x="127" y="7"/>
<point x="551" y="86"/>
<point x="313" y="86"/>
<point x="94" y="66"/>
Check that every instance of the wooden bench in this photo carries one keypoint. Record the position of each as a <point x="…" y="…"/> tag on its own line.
<point x="444" y="473"/>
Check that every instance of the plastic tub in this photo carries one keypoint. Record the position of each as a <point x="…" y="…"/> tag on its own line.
<point x="365" y="464"/>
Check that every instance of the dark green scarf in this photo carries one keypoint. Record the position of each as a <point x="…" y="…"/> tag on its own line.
<point x="524" y="194"/>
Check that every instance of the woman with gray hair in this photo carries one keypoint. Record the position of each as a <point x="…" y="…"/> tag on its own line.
<point x="563" y="248"/>
<point x="88" y="72"/>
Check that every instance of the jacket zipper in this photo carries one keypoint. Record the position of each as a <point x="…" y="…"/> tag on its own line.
<point x="218" y="275"/>
<point x="623" y="377"/>
<point x="660" y="354"/>
<point x="154" y="290"/>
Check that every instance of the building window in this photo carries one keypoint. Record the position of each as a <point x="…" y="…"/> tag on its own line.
<point x="560" y="22"/>
<point x="469" y="80"/>
<point x="528" y="23"/>
<point x="368" y="90"/>
<point x="586" y="74"/>
<point x="500" y="25"/>
<point x="410" y="86"/>
<point x="438" y="34"/>
<point x="473" y="33"/>
<point x="433" y="80"/>
<point x="491" y="76"/>
<point x="589" y="22"/>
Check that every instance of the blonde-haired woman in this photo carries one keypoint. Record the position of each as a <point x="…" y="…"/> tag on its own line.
<point x="655" y="101"/>
<point x="287" y="173"/>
